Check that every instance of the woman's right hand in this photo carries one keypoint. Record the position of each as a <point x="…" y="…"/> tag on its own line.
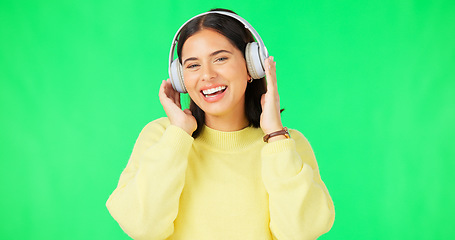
<point x="170" y="99"/>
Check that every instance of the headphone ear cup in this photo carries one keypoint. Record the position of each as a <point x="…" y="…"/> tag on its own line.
<point x="253" y="61"/>
<point x="177" y="76"/>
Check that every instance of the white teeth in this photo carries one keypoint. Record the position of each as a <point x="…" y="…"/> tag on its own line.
<point x="213" y="90"/>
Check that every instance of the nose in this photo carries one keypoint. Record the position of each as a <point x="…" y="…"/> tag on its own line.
<point x="208" y="73"/>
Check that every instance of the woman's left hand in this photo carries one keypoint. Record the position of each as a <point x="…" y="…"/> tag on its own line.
<point x="270" y="101"/>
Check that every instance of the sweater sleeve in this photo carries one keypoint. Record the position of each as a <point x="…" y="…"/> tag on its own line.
<point x="146" y="200"/>
<point x="300" y="205"/>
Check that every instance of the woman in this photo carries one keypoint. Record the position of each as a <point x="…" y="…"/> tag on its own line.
<point x="205" y="172"/>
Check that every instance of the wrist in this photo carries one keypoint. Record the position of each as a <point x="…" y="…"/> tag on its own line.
<point x="185" y="128"/>
<point x="270" y="130"/>
<point x="276" y="138"/>
<point x="277" y="135"/>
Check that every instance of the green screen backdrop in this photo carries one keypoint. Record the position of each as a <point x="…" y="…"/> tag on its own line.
<point x="371" y="84"/>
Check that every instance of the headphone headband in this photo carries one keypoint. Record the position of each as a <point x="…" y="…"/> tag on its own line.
<point x="262" y="49"/>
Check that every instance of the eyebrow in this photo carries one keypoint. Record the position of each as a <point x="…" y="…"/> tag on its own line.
<point x="211" y="55"/>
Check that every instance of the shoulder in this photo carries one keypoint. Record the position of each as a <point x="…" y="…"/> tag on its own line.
<point x="154" y="129"/>
<point x="297" y="136"/>
<point x="301" y="142"/>
<point x="158" y="123"/>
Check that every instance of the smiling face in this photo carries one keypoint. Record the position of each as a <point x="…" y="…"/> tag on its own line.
<point x="215" y="75"/>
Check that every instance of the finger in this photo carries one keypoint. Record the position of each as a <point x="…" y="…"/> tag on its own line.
<point x="162" y="86"/>
<point x="272" y="69"/>
<point x="169" y="90"/>
<point x="187" y="111"/>
<point x="270" y="72"/>
<point x="165" y="94"/>
<point x="270" y="65"/>
<point x="162" y="93"/>
<point x="164" y="99"/>
<point x="177" y="99"/>
<point x="168" y="86"/>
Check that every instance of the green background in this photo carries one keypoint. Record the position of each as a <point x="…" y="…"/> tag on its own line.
<point x="370" y="83"/>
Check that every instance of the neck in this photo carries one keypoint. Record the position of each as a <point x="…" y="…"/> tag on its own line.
<point x="227" y="123"/>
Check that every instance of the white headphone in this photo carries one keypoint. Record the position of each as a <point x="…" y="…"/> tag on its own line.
<point x="255" y="54"/>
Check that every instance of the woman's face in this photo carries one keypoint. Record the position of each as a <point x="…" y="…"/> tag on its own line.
<point x="215" y="74"/>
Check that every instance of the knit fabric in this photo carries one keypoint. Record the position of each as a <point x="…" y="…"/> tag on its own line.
<point x="221" y="185"/>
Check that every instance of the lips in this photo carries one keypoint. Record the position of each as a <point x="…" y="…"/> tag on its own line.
<point x="214" y="94"/>
<point x="213" y="91"/>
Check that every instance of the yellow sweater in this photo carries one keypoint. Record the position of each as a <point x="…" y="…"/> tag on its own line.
<point x="221" y="185"/>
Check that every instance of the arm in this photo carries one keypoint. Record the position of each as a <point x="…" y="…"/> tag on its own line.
<point x="299" y="203"/>
<point x="146" y="200"/>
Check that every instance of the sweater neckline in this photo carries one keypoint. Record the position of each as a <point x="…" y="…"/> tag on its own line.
<point x="230" y="141"/>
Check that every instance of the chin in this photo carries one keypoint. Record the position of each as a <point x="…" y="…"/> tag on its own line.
<point x="213" y="110"/>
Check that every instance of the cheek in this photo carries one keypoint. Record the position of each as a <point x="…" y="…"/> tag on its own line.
<point x="190" y="84"/>
<point x="241" y="70"/>
<point x="188" y="80"/>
